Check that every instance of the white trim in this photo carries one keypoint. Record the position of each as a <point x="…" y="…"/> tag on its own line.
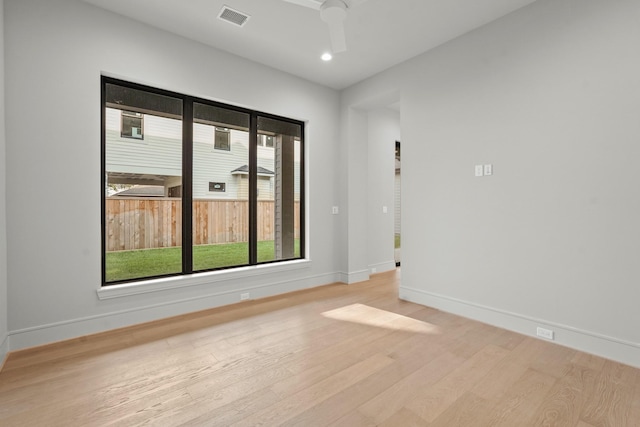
<point x="196" y="279"/>
<point x="626" y="352"/>
<point x="354" y="277"/>
<point x="73" y="328"/>
<point x="381" y="267"/>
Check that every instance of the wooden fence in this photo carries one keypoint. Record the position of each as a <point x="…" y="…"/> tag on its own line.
<point x="144" y="223"/>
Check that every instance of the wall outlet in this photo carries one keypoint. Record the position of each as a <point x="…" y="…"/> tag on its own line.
<point x="545" y="333"/>
<point x="374" y="270"/>
<point x="245" y="296"/>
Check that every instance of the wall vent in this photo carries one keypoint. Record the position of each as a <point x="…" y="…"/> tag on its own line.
<point x="233" y="16"/>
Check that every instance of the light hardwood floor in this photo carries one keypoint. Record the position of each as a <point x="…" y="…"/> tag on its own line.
<point x="335" y="355"/>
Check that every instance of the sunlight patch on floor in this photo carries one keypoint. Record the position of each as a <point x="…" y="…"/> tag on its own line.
<point x="371" y="316"/>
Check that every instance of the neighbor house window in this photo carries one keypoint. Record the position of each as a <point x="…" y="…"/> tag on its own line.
<point x="265" y="141"/>
<point x="175" y="191"/>
<point x="209" y="210"/>
<point x="222" y="139"/>
<point x="217" y="186"/>
<point x="132" y="125"/>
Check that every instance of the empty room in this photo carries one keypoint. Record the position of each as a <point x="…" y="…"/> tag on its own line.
<point x="202" y="220"/>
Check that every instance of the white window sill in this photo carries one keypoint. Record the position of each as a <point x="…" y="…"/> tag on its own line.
<point x="176" y="282"/>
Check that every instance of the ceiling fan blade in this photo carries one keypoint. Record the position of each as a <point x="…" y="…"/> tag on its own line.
<point x="312" y="4"/>
<point x="334" y="13"/>
<point x="338" y="39"/>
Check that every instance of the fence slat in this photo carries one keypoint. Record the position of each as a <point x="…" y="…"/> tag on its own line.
<point x="139" y="223"/>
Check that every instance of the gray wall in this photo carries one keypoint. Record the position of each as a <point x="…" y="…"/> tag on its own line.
<point x="55" y="54"/>
<point x="549" y="95"/>
<point x="4" y="342"/>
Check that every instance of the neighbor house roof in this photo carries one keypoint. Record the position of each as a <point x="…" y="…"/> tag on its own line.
<point x="244" y="170"/>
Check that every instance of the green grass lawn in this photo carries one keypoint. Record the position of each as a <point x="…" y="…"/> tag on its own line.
<point x="125" y="265"/>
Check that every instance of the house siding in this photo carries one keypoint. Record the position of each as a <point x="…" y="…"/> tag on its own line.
<point x="160" y="153"/>
<point x="211" y="165"/>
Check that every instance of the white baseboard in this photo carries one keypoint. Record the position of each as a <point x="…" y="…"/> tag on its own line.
<point x="354" y="277"/>
<point x="381" y="267"/>
<point x="601" y="345"/>
<point x="59" y="331"/>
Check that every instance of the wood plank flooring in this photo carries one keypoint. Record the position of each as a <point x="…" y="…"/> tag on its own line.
<point x="336" y="355"/>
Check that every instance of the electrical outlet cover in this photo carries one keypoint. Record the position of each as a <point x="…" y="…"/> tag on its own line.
<point x="545" y="333"/>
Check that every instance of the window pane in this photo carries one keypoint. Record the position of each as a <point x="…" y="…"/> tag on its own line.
<point x="220" y="187"/>
<point x="278" y="184"/>
<point x="143" y="225"/>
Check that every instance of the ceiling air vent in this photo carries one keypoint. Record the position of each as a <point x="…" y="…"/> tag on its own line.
<point x="233" y="16"/>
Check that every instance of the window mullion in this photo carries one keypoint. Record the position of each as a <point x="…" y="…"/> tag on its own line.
<point x="103" y="175"/>
<point x="187" y="187"/>
<point x="253" y="189"/>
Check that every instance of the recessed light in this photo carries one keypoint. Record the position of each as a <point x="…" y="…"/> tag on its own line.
<point x="326" y="57"/>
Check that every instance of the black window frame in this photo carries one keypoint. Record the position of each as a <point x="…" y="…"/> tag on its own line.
<point x="187" y="179"/>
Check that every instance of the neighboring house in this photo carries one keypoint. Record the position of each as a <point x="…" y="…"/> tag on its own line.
<point x="146" y="150"/>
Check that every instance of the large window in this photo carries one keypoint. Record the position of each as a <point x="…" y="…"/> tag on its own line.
<point x="161" y="214"/>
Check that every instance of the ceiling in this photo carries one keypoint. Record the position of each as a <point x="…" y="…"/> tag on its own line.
<point x="291" y="38"/>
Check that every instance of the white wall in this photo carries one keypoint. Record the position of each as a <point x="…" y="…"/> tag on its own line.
<point x="354" y="205"/>
<point x="383" y="132"/>
<point x="4" y="342"/>
<point x="550" y="96"/>
<point x="55" y="54"/>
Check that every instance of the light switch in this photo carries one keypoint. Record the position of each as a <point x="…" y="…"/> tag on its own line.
<point x="488" y="169"/>
<point x="335" y="210"/>
<point x="384" y="209"/>
<point x="479" y="170"/>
